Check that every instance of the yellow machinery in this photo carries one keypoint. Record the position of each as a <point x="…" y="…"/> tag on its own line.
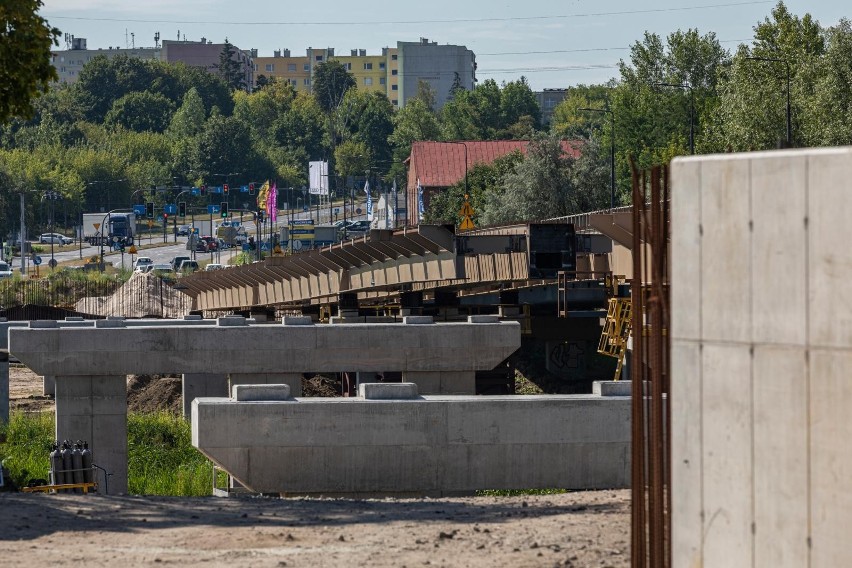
<point x="616" y="331"/>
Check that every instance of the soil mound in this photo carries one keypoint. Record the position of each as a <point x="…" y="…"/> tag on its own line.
<point x="321" y="386"/>
<point x="143" y="295"/>
<point x="153" y="393"/>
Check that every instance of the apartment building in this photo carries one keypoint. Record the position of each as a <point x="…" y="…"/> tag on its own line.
<point x="395" y="72"/>
<point x="203" y="53"/>
<point x="548" y="100"/>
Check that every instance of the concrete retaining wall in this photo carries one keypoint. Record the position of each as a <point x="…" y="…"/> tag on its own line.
<point x="429" y="444"/>
<point x="761" y="353"/>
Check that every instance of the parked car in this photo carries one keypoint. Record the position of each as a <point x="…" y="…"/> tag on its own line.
<point x="188" y="266"/>
<point x="213" y="266"/>
<point x="206" y="244"/>
<point x="55" y="238"/>
<point x="5" y="270"/>
<point x="161" y="268"/>
<point x="358" y="227"/>
<point x="175" y="262"/>
<point x="144" y="268"/>
<point x="143" y="261"/>
<point x="183" y="231"/>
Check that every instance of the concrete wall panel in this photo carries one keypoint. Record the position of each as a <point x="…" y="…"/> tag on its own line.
<point x="727" y="455"/>
<point x="725" y="215"/>
<point x="778" y="249"/>
<point x="829" y="211"/>
<point x="831" y="457"/>
<point x="686" y="247"/>
<point x="781" y="439"/>
<point x="687" y="507"/>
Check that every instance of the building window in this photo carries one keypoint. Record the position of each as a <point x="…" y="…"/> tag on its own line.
<point x="270" y="67"/>
<point x="368" y="81"/>
<point x="307" y="82"/>
<point x="394" y="87"/>
<point x="319" y="58"/>
<point x="306" y="67"/>
<point x="394" y="72"/>
<point x="393" y="57"/>
<point x="348" y="66"/>
<point x="294" y="82"/>
<point x="291" y="67"/>
<point x="395" y="102"/>
<point x="382" y="81"/>
<point x="381" y="65"/>
<point x="368" y="66"/>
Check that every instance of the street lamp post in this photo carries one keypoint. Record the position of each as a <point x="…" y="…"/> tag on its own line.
<point x="789" y="109"/>
<point x="691" y="110"/>
<point x="611" y="150"/>
<point x="52" y="196"/>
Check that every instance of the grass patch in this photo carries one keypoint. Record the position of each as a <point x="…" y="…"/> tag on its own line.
<point x="161" y="459"/>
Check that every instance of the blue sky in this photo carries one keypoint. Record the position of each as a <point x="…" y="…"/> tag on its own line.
<point x="581" y="40"/>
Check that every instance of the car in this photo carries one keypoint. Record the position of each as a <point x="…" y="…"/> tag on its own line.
<point x="143" y="261"/>
<point x="54" y="238"/>
<point x="358" y="227"/>
<point x="144" y="268"/>
<point x="161" y="267"/>
<point x="5" y="270"/>
<point x="206" y="244"/>
<point x="213" y="266"/>
<point x="188" y="266"/>
<point x="343" y="223"/>
<point x="175" y="262"/>
<point x="183" y="231"/>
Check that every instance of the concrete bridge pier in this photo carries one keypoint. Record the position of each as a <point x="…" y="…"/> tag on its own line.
<point x="48" y="385"/>
<point x="94" y="409"/>
<point x="195" y="385"/>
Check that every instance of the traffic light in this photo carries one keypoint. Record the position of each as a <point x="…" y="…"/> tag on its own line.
<point x="251" y="189"/>
<point x="223" y="209"/>
<point x="165" y="217"/>
<point x="149" y="210"/>
<point x="203" y="190"/>
<point x="182" y="209"/>
<point x="225" y="188"/>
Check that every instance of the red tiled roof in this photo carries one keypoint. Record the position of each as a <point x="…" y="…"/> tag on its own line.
<point x="441" y="164"/>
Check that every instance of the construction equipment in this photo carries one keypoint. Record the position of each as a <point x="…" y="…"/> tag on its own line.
<point x="616" y="331"/>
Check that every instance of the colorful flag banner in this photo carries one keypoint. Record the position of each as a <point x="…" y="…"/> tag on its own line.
<point x="272" y="203"/>
<point x="369" y="200"/>
<point x="421" y="210"/>
<point x="262" y="196"/>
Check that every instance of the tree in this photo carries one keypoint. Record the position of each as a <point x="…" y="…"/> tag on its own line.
<point x="569" y="121"/>
<point x="412" y="122"/>
<point x="230" y="69"/>
<point x="188" y="120"/>
<point x="25" y="69"/>
<point x="330" y="83"/>
<point x="141" y="111"/>
<point x="540" y="187"/>
<point x="518" y="100"/>
<point x="375" y="126"/>
<point x="103" y="81"/>
<point x="352" y="158"/>
<point x="456" y="86"/>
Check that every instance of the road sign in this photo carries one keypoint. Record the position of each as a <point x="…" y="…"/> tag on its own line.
<point x="467" y="224"/>
<point x="213" y="209"/>
<point x="305" y="208"/>
<point x="466" y="210"/>
<point x="150" y="224"/>
<point x="139" y="209"/>
<point x="132" y="249"/>
<point x="52" y="263"/>
<point x="96" y="226"/>
<point x="170" y="208"/>
<point x="37" y="260"/>
<point x="297" y="245"/>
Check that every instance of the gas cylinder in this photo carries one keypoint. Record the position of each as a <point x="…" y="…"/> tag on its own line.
<point x="77" y="463"/>
<point x="88" y="475"/>
<point x="56" y="475"/>
<point x="67" y="463"/>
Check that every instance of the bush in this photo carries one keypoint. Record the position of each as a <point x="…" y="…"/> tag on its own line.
<point x="161" y="459"/>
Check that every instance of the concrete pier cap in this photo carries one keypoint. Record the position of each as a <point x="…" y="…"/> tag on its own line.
<point x="387" y="391"/>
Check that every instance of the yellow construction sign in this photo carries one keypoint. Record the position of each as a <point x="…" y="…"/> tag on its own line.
<point x="96" y="226"/>
<point x="132" y="249"/>
<point x="466" y="214"/>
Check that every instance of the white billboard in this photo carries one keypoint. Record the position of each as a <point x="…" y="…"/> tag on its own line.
<point x="318" y="178"/>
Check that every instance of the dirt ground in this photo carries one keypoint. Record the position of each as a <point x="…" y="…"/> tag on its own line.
<point x="572" y="529"/>
<point x="588" y="528"/>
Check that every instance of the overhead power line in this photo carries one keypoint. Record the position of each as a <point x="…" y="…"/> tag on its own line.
<point x="416" y="22"/>
<point x="588" y="49"/>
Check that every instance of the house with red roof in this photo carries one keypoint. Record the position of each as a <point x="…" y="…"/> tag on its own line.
<point x="438" y="165"/>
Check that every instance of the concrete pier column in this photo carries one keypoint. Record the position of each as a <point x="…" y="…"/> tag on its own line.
<point x="411" y="303"/>
<point x="294" y="380"/>
<point x="4" y="385"/>
<point x="347" y="305"/>
<point x="442" y="382"/>
<point x="48" y="385"/>
<point x="94" y="408"/>
<point x="195" y="385"/>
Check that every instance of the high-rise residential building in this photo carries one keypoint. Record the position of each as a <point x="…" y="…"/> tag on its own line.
<point x="548" y="100"/>
<point x="395" y="72"/>
<point x="69" y="62"/>
<point x="204" y="54"/>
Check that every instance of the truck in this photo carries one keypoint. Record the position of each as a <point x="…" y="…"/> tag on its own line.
<point x="109" y="229"/>
<point x="231" y="235"/>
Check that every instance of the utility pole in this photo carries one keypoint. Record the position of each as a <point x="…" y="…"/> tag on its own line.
<point x="23" y="238"/>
